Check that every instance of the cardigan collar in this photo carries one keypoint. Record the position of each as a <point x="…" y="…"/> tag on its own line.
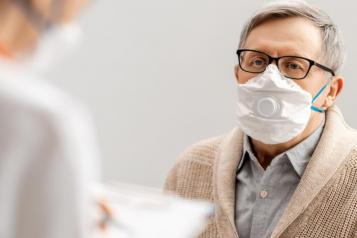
<point x="336" y="141"/>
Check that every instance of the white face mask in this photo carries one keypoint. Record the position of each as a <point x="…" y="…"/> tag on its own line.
<point x="55" y="45"/>
<point x="274" y="109"/>
<point x="56" y="41"/>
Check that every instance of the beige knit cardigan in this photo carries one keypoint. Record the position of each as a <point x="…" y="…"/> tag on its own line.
<point x="324" y="204"/>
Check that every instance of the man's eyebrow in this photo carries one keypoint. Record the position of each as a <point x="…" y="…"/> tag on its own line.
<point x="290" y="52"/>
<point x="298" y="54"/>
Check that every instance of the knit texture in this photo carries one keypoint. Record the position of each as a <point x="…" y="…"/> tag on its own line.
<point x="332" y="213"/>
<point x="192" y="175"/>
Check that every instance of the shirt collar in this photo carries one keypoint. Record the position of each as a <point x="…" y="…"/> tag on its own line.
<point x="298" y="156"/>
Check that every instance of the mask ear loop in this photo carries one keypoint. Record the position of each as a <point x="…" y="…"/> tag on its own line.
<point x="319" y="109"/>
<point x="36" y="17"/>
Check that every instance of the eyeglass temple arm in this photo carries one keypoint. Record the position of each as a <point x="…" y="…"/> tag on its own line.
<point x="325" y="68"/>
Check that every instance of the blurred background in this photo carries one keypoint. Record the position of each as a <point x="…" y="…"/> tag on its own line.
<point x="158" y="76"/>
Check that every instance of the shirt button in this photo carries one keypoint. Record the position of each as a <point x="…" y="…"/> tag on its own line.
<point x="263" y="194"/>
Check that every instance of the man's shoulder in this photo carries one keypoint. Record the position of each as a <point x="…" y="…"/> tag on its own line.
<point x="191" y="175"/>
<point x="352" y="159"/>
<point x="203" y="151"/>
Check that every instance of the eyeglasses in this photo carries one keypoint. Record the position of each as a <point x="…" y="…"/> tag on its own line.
<point x="294" y="67"/>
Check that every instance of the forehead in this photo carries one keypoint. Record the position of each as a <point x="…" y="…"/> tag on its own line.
<point x="288" y="36"/>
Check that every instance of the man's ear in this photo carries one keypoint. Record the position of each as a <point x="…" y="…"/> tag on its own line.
<point x="335" y="89"/>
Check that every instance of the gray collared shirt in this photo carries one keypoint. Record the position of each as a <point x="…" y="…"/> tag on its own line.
<point x="262" y="195"/>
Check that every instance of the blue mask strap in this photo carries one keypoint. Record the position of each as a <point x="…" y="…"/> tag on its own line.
<point x="318" y="109"/>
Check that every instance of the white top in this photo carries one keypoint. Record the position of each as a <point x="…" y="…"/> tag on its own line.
<point x="48" y="159"/>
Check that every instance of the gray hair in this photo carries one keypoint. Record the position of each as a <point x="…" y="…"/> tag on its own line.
<point x="332" y="45"/>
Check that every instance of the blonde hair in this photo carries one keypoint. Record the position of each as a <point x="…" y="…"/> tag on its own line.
<point x="332" y="44"/>
<point x="19" y="30"/>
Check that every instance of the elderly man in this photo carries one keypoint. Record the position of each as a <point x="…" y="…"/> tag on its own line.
<point x="290" y="167"/>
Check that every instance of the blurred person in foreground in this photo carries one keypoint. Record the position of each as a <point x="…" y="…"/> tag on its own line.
<point x="48" y="156"/>
<point x="289" y="168"/>
<point x="47" y="148"/>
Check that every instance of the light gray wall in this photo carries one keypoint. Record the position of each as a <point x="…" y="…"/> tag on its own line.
<point x="158" y="76"/>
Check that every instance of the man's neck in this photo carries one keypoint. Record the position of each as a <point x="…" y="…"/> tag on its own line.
<point x="266" y="153"/>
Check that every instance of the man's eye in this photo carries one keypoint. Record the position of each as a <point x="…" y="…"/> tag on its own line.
<point x="257" y="62"/>
<point x="293" y="66"/>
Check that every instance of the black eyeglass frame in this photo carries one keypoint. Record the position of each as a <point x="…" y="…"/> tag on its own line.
<point x="276" y="59"/>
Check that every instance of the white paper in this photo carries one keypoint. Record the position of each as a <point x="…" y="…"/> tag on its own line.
<point x="140" y="212"/>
